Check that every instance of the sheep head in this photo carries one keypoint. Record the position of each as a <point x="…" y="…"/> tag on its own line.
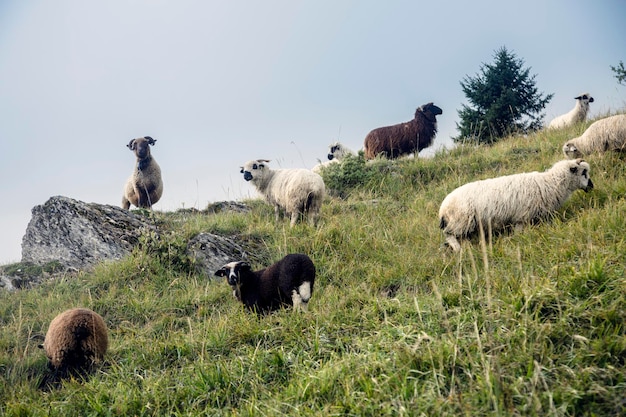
<point x="140" y="146"/>
<point x="253" y="169"/>
<point x="233" y="272"/>
<point x="579" y="169"/>
<point x="571" y="151"/>
<point x="337" y="151"/>
<point x="584" y="99"/>
<point x="429" y="110"/>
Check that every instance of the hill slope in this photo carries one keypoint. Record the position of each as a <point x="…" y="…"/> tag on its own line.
<point x="530" y="323"/>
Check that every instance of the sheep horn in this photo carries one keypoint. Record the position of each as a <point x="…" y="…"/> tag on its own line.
<point x="131" y="144"/>
<point x="150" y="140"/>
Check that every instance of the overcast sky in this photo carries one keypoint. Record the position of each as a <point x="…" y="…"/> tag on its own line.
<point x="218" y="83"/>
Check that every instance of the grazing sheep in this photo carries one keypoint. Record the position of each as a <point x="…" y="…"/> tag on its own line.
<point x="145" y="186"/>
<point x="294" y="191"/>
<point x="336" y="153"/>
<point x="608" y="134"/>
<point x="576" y="115"/>
<point x="76" y="340"/>
<point x="404" y="138"/>
<point x="287" y="282"/>
<point x="512" y="200"/>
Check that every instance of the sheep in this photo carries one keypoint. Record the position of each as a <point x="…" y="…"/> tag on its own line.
<point x="336" y="153"/>
<point x="576" y="115"/>
<point x="145" y="186"/>
<point x="512" y="200"/>
<point x="76" y="340"/>
<point x="294" y="191"/>
<point x="404" y="138"/>
<point x="608" y="134"/>
<point x="288" y="282"/>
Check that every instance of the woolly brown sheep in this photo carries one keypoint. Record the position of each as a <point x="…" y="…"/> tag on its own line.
<point x="404" y="138"/>
<point x="145" y="186"/>
<point x="287" y="282"/>
<point x="76" y="340"/>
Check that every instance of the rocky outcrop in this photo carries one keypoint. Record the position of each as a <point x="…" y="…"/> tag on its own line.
<point x="78" y="235"/>
<point x="65" y="235"/>
<point x="210" y="252"/>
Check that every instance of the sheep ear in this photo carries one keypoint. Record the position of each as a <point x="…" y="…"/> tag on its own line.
<point x="245" y="266"/>
<point x="131" y="145"/>
<point x="220" y="272"/>
<point x="573" y="170"/>
<point x="241" y="170"/>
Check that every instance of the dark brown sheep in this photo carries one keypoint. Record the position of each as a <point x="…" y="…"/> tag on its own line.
<point x="76" y="340"/>
<point x="145" y="186"/>
<point x="287" y="282"/>
<point x="404" y="138"/>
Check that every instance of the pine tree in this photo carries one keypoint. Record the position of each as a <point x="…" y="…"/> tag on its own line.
<point x="503" y="100"/>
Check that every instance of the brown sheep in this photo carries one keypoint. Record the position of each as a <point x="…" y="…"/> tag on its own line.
<point x="76" y="340"/>
<point x="145" y="186"/>
<point x="404" y="138"/>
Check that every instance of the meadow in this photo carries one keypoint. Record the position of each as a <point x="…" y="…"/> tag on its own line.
<point x="524" y="323"/>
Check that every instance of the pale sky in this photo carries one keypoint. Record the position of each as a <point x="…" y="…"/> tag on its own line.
<point x="218" y="83"/>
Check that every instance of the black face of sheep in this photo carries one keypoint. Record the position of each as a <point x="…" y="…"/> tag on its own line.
<point x="234" y="272"/>
<point x="333" y="149"/>
<point x="584" y="97"/>
<point x="247" y="175"/>
<point x="430" y="110"/>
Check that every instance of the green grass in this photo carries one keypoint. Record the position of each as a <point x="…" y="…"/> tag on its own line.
<point x="526" y="323"/>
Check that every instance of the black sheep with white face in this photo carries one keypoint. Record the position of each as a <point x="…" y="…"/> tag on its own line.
<point x="288" y="282"/>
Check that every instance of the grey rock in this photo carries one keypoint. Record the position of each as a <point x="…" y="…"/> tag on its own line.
<point x="210" y="252"/>
<point x="78" y="235"/>
<point x="65" y="236"/>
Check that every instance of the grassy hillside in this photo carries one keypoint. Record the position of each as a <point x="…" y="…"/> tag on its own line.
<point x="529" y="323"/>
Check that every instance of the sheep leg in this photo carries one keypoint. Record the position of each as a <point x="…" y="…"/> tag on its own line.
<point x="301" y="296"/>
<point x="277" y="213"/>
<point x="125" y="203"/>
<point x="294" y="218"/>
<point x="299" y="303"/>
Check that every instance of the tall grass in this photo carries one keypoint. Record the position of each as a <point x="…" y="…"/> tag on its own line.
<point x="527" y="323"/>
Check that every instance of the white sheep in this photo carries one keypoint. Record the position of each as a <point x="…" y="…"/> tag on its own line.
<point x="295" y="191"/>
<point x="576" y="115"/>
<point x="512" y="200"/>
<point x="145" y="186"/>
<point x="608" y="134"/>
<point x="287" y="282"/>
<point x="336" y="153"/>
